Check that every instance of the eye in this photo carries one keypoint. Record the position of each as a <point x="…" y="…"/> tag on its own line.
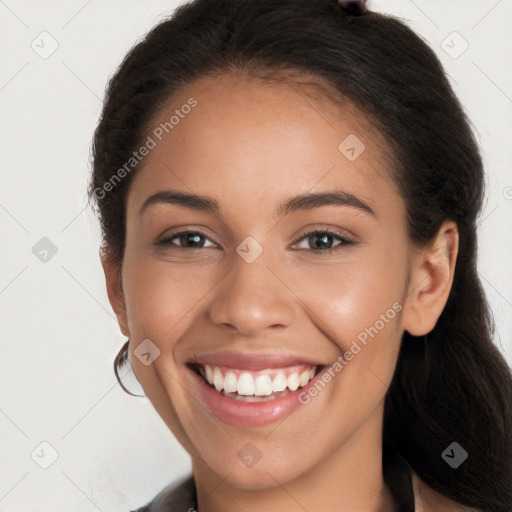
<point x="320" y="241"/>
<point x="188" y="239"/>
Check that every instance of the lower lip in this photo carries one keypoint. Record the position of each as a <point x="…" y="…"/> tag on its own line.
<point x="247" y="414"/>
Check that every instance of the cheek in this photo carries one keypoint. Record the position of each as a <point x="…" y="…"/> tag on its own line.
<point x="357" y="305"/>
<point x="351" y="297"/>
<point x="161" y="295"/>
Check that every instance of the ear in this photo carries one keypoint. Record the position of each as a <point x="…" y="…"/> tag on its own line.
<point x="114" y="288"/>
<point x="430" y="281"/>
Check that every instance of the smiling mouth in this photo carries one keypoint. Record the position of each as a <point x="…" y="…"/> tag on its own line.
<point x="256" y="386"/>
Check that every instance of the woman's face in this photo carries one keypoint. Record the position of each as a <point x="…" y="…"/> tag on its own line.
<point x="244" y="300"/>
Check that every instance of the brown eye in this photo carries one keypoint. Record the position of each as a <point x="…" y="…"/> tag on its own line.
<point x="186" y="240"/>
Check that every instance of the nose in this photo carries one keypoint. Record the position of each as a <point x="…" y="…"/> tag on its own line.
<point x="252" y="298"/>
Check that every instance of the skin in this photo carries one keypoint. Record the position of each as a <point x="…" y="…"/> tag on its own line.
<point x="251" y="145"/>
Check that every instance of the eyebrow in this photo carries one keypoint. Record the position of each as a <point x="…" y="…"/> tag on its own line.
<point x="301" y="202"/>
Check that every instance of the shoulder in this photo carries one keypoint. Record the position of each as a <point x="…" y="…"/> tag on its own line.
<point x="179" y="496"/>
<point x="428" y="500"/>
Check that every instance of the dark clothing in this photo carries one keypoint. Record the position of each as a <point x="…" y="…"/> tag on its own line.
<point x="179" y="496"/>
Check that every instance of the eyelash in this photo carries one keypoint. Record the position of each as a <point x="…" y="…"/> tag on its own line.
<point x="166" y="241"/>
<point x="345" y="241"/>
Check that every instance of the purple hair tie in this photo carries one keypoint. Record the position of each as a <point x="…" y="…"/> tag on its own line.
<point x="353" y="7"/>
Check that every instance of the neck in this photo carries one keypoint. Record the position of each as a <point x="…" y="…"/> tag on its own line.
<point x="350" y="479"/>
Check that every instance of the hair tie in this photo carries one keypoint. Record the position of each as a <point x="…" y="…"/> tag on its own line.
<point x="353" y="7"/>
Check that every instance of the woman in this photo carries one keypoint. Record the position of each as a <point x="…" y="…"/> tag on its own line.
<point x="288" y="193"/>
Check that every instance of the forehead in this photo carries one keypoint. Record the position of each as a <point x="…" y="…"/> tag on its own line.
<point x="248" y="141"/>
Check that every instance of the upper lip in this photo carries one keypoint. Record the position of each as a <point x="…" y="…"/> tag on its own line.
<point x="250" y="360"/>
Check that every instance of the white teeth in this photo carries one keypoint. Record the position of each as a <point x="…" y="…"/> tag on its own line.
<point x="247" y="384"/>
<point x="304" y="378"/>
<point x="209" y="373"/>
<point x="279" y="383"/>
<point x="293" y="381"/>
<point x="218" y="379"/>
<point x="230" y="382"/>
<point x="263" y="386"/>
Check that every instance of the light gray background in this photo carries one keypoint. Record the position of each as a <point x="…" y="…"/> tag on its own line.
<point x="58" y="332"/>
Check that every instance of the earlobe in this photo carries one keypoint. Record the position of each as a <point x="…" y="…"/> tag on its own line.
<point x="114" y="288"/>
<point x="431" y="279"/>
